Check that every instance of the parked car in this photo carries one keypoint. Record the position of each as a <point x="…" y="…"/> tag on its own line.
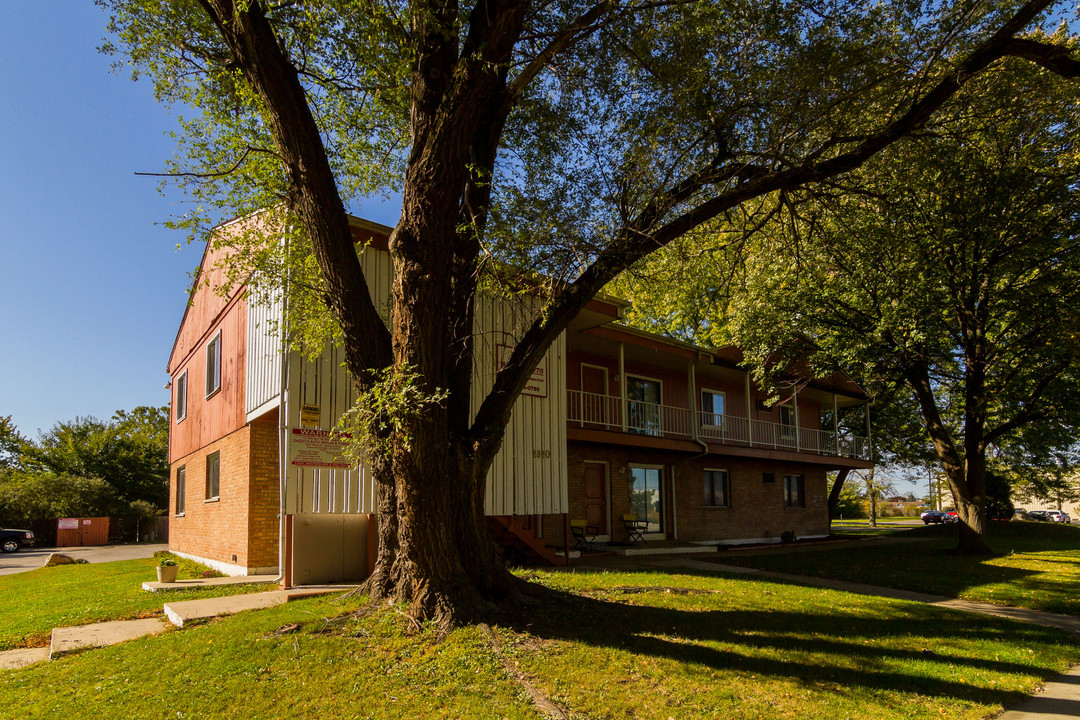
<point x="11" y="540"/>
<point x="933" y="516"/>
<point x="951" y="516"/>
<point x="1039" y="515"/>
<point x="1059" y="516"/>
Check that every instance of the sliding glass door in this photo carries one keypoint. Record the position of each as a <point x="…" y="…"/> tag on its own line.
<point x="647" y="496"/>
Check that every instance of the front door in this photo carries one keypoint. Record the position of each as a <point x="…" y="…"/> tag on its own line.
<point x="596" y="492"/>
<point x="647" y="496"/>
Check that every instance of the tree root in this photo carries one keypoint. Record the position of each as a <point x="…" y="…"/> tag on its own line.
<point x="543" y="703"/>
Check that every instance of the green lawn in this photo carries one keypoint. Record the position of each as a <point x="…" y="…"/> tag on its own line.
<point x="33" y="603"/>
<point x="1038" y="566"/>
<point x="608" y="646"/>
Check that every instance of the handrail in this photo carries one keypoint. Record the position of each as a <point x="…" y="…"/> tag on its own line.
<point x="605" y="412"/>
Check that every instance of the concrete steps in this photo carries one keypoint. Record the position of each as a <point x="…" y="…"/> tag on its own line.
<point x="77" y="637"/>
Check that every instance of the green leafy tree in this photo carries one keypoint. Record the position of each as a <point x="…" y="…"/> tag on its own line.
<point x="11" y="443"/>
<point x="952" y="266"/>
<point x="129" y="452"/>
<point x="573" y="139"/>
<point x="29" y="498"/>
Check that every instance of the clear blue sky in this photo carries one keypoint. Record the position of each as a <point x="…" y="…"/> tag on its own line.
<point x="92" y="286"/>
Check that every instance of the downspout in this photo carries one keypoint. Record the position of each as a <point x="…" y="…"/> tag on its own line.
<point x="283" y="436"/>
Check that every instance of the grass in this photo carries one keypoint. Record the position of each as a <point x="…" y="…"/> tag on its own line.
<point x="603" y="646"/>
<point x="33" y="603"/>
<point x="1038" y="565"/>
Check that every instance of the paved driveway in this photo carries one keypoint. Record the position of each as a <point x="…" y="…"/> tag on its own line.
<point x="31" y="558"/>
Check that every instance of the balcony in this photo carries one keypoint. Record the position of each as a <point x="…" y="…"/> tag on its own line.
<point x="605" y="412"/>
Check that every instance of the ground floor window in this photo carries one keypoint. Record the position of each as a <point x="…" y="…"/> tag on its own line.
<point x="213" y="475"/>
<point x="647" y="497"/>
<point x="794" y="495"/>
<point x="717" y="493"/>
<point x="181" y="488"/>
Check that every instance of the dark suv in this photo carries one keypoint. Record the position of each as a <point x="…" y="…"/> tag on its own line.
<point x="12" y="540"/>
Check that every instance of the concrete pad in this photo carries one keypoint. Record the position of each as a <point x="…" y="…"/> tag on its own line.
<point x="186" y="611"/>
<point x="66" y="639"/>
<point x="1060" y="699"/>
<point x="155" y="586"/>
<point x="12" y="659"/>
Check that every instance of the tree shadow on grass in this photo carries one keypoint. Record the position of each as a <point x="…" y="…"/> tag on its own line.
<point x="918" y="568"/>
<point x="826" y="645"/>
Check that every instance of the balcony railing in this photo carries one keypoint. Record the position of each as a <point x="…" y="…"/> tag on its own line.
<point x="605" y="412"/>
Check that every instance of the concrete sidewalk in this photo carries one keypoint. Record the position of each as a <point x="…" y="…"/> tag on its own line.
<point x="1058" y="699"/>
<point x="186" y="611"/>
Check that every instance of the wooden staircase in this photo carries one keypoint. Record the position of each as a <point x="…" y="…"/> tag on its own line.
<point x="516" y="535"/>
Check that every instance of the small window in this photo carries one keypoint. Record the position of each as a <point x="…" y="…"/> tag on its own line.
<point x="717" y="492"/>
<point x="793" y="491"/>
<point x="181" y="488"/>
<point x="181" y="397"/>
<point x="213" y="475"/>
<point x="213" y="365"/>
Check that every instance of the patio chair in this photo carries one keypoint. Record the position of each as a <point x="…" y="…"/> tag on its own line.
<point x="584" y="535"/>
<point x="635" y="529"/>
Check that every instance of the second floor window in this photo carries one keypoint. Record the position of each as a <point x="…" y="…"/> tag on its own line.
<point x="787" y="421"/>
<point x="643" y="405"/>
<point x="181" y="397"/>
<point x="712" y="408"/>
<point x="213" y="365"/>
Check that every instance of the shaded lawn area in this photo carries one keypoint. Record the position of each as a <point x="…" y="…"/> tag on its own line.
<point x="602" y="646"/>
<point x="33" y="603"/>
<point x="1039" y="565"/>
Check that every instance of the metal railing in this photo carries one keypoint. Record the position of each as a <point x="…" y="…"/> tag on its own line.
<point x="605" y="412"/>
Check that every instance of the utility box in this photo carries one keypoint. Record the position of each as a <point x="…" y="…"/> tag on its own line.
<point x="331" y="548"/>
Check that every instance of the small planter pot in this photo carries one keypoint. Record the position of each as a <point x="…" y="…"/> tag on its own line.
<point x="167" y="573"/>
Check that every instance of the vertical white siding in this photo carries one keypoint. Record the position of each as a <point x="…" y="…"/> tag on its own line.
<point x="528" y="475"/>
<point x="263" y="363"/>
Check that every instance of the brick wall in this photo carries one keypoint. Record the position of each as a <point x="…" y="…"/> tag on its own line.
<point x="756" y="508"/>
<point x="263" y="525"/>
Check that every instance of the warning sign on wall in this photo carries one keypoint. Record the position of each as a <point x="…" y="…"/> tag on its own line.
<point x="537" y="384"/>
<point x="317" y="449"/>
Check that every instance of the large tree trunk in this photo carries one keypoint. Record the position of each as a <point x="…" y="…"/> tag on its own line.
<point x="967" y="480"/>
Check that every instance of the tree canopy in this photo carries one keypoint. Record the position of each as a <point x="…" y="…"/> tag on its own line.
<point x="951" y="265"/>
<point x="571" y="138"/>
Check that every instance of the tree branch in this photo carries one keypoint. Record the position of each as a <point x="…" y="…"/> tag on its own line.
<point x="636" y="241"/>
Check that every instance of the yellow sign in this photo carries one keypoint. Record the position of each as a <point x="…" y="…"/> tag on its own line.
<point x="309" y="416"/>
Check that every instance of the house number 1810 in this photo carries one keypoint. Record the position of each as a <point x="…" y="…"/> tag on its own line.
<point x="541" y="454"/>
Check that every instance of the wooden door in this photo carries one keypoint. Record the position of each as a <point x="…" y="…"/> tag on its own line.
<point x="596" y="493"/>
<point x="595" y="403"/>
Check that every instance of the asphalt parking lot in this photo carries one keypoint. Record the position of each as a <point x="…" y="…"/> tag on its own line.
<point x="33" y="558"/>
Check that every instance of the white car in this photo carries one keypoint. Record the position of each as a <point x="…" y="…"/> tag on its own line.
<point x="1059" y="516"/>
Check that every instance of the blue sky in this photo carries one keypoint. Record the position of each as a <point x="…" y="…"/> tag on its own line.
<point x="92" y="286"/>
